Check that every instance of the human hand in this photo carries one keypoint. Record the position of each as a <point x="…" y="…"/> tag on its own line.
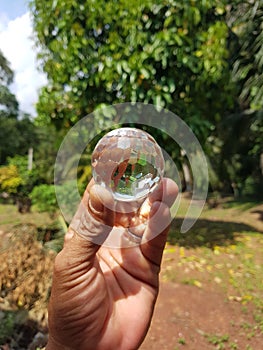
<point x="103" y="298"/>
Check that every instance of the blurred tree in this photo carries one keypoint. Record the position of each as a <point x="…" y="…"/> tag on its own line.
<point x="246" y="21"/>
<point x="191" y="57"/>
<point x="17" y="135"/>
<point x="172" y="54"/>
<point x="241" y="132"/>
<point x="8" y="111"/>
<point x="17" y="132"/>
<point x="45" y="151"/>
<point x="8" y="102"/>
<point x="6" y="73"/>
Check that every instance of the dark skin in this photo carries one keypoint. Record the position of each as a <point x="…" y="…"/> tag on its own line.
<point x="103" y="298"/>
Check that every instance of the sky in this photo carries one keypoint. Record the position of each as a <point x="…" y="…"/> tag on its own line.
<point x="18" y="48"/>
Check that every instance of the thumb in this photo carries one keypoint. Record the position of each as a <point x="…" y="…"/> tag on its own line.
<point x="93" y="220"/>
<point x="89" y="228"/>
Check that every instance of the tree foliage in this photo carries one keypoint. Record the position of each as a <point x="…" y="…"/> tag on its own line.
<point x="17" y="131"/>
<point x="44" y="198"/>
<point x="17" y="181"/>
<point x="172" y="54"/>
<point x="200" y="59"/>
<point x="241" y="131"/>
<point x="45" y="151"/>
<point x="246" y="18"/>
<point x="8" y="101"/>
<point x="6" y="73"/>
<point x="10" y="179"/>
<point x="17" y="135"/>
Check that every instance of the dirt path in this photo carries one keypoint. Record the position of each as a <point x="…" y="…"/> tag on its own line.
<point x="187" y="317"/>
<point x="191" y="317"/>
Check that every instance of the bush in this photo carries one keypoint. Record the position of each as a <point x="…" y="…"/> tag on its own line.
<point x="17" y="181"/>
<point x="10" y="179"/>
<point x="44" y="198"/>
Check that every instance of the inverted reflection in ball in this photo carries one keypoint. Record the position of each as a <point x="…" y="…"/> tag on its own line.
<point x="129" y="162"/>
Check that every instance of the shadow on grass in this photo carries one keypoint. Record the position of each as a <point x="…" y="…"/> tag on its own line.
<point x="207" y="233"/>
<point x="259" y="212"/>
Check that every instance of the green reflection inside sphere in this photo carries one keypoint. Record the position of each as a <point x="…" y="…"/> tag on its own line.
<point x="129" y="162"/>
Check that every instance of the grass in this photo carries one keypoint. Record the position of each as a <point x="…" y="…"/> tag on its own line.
<point x="222" y="251"/>
<point x="218" y="340"/>
<point x="9" y="217"/>
<point x="48" y="230"/>
<point x="216" y="226"/>
<point x="182" y="341"/>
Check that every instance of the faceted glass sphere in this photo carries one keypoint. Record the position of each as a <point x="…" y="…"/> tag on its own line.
<point x="129" y="162"/>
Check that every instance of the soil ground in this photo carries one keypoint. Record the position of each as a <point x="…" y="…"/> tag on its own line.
<point x="187" y="317"/>
<point x="211" y="285"/>
<point x="200" y="306"/>
<point x="192" y="318"/>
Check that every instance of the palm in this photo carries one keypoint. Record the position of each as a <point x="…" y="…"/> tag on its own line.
<point x="113" y="298"/>
<point x="131" y="282"/>
<point x="102" y="298"/>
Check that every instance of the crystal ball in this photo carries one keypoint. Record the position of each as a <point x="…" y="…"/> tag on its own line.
<point x="128" y="162"/>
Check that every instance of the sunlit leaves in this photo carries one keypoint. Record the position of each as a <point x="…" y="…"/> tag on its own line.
<point x="10" y="179"/>
<point x="212" y="49"/>
<point x="109" y="52"/>
<point x="200" y="59"/>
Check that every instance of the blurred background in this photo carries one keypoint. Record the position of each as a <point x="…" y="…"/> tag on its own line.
<point x="62" y="59"/>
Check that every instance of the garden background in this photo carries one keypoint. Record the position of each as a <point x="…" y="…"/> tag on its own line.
<point x="203" y="61"/>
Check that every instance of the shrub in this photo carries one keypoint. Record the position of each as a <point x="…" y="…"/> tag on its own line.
<point x="44" y="198"/>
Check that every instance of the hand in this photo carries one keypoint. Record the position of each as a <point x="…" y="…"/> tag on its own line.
<point x="103" y="298"/>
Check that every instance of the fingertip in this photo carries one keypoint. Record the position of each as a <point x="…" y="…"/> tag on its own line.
<point x="159" y="217"/>
<point x="101" y="204"/>
<point x="171" y="191"/>
<point x="155" y="235"/>
<point x="166" y="192"/>
<point x="90" y="184"/>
